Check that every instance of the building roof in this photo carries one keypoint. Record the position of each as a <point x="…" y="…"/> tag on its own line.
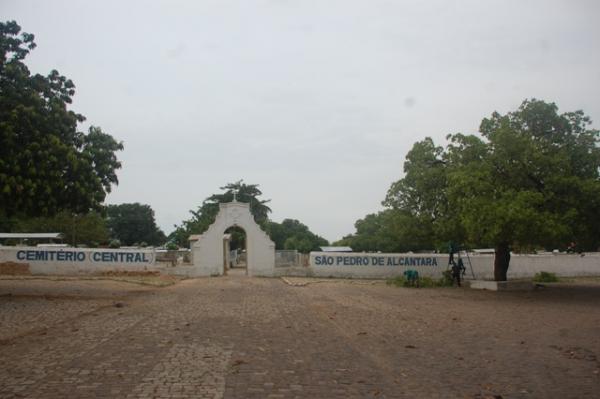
<point x="23" y="236"/>
<point x="336" y="249"/>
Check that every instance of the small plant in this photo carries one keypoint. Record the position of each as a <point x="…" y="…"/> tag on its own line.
<point x="398" y="281"/>
<point x="545" y="277"/>
<point x="114" y="244"/>
<point x="447" y="279"/>
<point x="424" y="282"/>
<point x="171" y="246"/>
<point x="427" y="282"/>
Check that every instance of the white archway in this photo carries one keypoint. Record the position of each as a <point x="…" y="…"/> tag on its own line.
<point x="207" y="251"/>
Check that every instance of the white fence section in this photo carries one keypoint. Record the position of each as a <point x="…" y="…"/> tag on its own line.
<point x="374" y="265"/>
<point x="286" y="258"/>
<point x="73" y="261"/>
<point x="521" y="266"/>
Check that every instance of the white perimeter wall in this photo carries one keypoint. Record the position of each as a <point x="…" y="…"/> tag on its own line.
<point x="46" y="260"/>
<point x="73" y="261"/>
<point x="368" y="265"/>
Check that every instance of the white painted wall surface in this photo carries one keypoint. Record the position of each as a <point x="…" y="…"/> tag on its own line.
<point x="208" y="250"/>
<point x="561" y="264"/>
<point x="346" y="265"/>
<point x="391" y="265"/>
<point x="262" y="262"/>
<point x="75" y="261"/>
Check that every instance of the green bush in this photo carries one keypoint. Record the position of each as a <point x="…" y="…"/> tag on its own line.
<point x="428" y="282"/>
<point x="447" y="279"/>
<point x="424" y="282"/>
<point x="114" y="244"/>
<point x="171" y="246"/>
<point x="398" y="281"/>
<point x="545" y="277"/>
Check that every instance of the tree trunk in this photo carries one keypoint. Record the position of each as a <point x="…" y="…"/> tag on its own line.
<point x="501" y="261"/>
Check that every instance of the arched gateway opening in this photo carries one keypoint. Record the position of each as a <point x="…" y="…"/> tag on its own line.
<point x="235" y="251"/>
<point x="212" y="251"/>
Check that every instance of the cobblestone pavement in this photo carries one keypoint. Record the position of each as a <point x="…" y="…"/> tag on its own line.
<point x="240" y="337"/>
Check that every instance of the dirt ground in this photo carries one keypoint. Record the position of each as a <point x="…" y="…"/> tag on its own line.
<point x="240" y="337"/>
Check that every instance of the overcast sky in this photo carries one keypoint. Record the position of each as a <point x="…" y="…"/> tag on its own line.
<point x="318" y="102"/>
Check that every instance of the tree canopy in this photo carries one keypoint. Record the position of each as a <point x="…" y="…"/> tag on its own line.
<point x="87" y="229"/>
<point x="46" y="164"/>
<point x="206" y="213"/>
<point x="290" y="234"/>
<point x="390" y="230"/>
<point x="133" y="224"/>
<point x="530" y="180"/>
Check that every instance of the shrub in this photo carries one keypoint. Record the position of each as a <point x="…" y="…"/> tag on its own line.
<point x="398" y="281"/>
<point x="114" y="244"/>
<point x="447" y="279"/>
<point x="424" y="282"/>
<point x="171" y="246"/>
<point x="545" y="277"/>
<point x="428" y="282"/>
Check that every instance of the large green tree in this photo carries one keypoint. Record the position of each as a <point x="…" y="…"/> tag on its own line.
<point x="289" y="234"/>
<point x="206" y="213"/>
<point x="87" y="229"/>
<point x="292" y="234"/>
<point x="46" y="164"/>
<point x="391" y="230"/>
<point x="531" y="180"/>
<point x="134" y="224"/>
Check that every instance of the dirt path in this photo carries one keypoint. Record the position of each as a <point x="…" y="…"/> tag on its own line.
<point x="240" y="337"/>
